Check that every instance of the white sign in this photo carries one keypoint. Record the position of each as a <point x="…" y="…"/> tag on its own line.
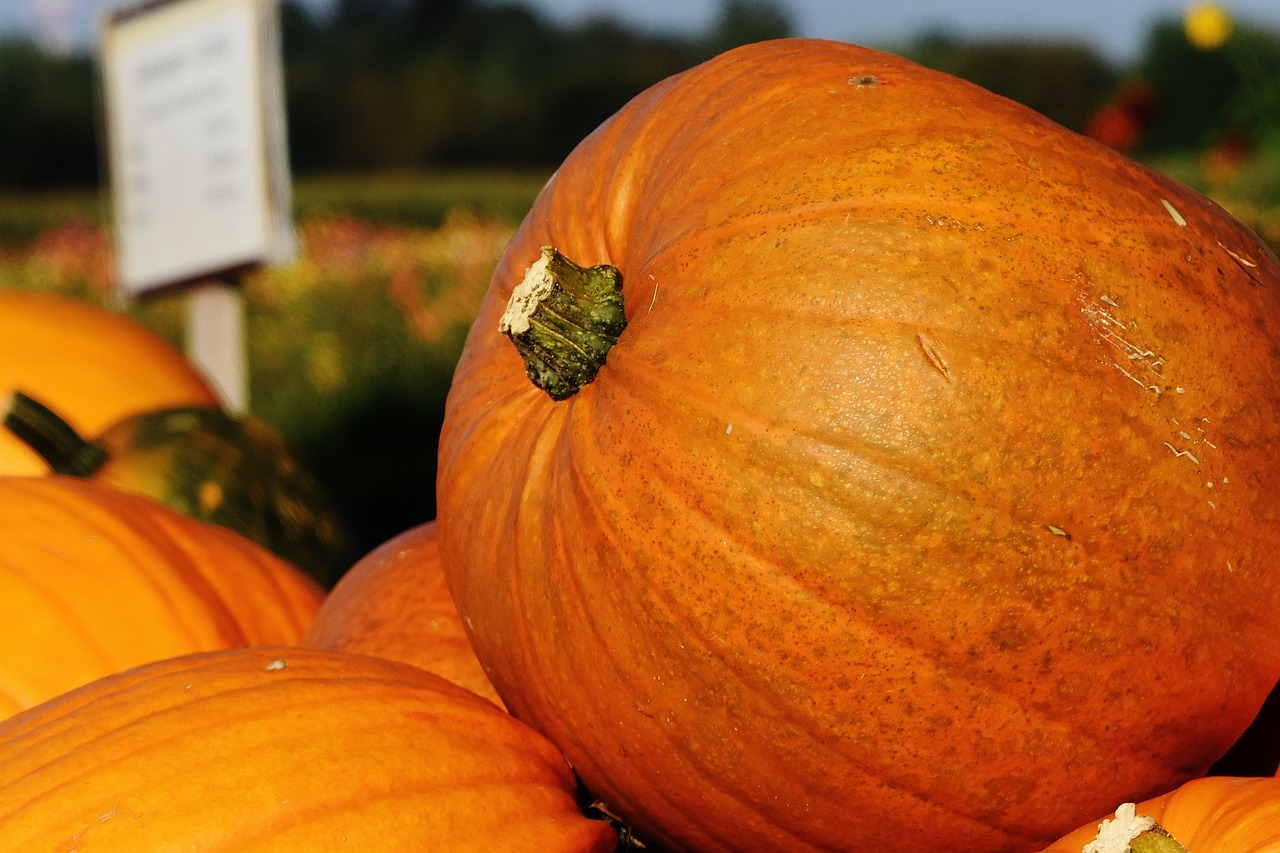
<point x="196" y="137"/>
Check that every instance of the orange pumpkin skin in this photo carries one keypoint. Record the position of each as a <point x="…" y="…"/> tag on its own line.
<point x="89" y="364"/>
<point x="94" y="580"/>
<point x="394" y="603"/>
<point x="1216" y="814"/>
<point x="929" y="477"/>
<point x="276" y="748"/>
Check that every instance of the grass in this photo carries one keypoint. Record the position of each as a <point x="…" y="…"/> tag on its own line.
<point x="25" y="216"/>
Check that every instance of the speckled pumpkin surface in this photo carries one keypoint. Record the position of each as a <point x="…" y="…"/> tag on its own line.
<point x="277" y="749"/>
<point x="927" y="500"/>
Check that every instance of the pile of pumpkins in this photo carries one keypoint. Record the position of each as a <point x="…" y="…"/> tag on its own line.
<point x="843" y="458"/>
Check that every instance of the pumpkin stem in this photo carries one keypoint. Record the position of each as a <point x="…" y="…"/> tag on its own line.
<point x="1130" y="832"/>
<point x="627" y="841"/>
<point x="1156" y="840"/>
<point x="564" y="319"/>
<point x="55" y="440"/>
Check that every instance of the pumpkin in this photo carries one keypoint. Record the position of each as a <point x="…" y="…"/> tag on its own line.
<point x="92" y="365"/>
<point x="94" y="580"/>
<point x="232" y="470"/>
<point x="394" y="603"/>
<point x="929" y="467"/>
<point x="1215" y="814"/>
<point x="279" y="748"/>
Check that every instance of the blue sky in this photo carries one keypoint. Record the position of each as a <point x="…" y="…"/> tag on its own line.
<point x="1116" y="27"/>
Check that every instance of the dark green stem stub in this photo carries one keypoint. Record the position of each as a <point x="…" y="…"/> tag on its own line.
<point x="564" y="319"/>
<point x="55" y="440"/>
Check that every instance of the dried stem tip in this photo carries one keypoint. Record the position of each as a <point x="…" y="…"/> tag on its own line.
<point x="1130" y="832"/>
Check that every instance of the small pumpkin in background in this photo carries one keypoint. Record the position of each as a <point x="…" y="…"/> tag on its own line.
<point x="394" y="603"/>
<point x="230" y="470"/>
<point x="1214" y="814"/>
<point x="94" y="580"/>
<point x="93" y="365"/>
<point x="284" y="749"/>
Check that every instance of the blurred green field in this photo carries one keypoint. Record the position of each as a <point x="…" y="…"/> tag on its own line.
<point x="413" y="199"/>
<point x="352" y="346"/>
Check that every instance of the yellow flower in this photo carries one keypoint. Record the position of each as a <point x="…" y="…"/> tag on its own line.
<point x="1207" y="25"/>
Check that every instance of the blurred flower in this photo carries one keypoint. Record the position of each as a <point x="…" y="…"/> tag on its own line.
<point x="1114" y="128"/>
<point x="1122" y="120"/>
<point x="72" y="257"/>
<point x="1221" y="161"/>
<point x="1207" y="25"/>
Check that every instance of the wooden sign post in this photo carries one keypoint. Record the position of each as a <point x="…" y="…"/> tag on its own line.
<point x="198" y="162"/>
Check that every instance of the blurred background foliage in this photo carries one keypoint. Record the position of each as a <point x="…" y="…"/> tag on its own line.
<point x="420" y="132"/>
<point x="413" y="84"/>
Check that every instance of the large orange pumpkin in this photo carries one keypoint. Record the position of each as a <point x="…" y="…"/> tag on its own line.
<point x="92" y="365"/>
<point x="926" y="499"/>
<point x="1218" y="814"/>
<point x="94" y="580"/>
<point x="394" y="603"/>
<point x="279" y="749"/>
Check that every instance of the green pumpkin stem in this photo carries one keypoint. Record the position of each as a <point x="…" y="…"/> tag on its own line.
<point x="564" y="319"/>
<point x="1156" y="840"/>
<point x="55" y="440"/>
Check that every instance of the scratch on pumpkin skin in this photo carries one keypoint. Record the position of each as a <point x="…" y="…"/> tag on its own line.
<point x="1239" y="259"/>
<point x="935" y="357"/>
<point x="1249" y="267"/>
<point x="1178" y="454"/>
<point x="1115" y="332"/>
<point x="1155" y="389"/>
<point x="1173" y="211"/>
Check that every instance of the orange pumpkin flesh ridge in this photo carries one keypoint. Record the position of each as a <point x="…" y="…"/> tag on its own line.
<point x="94" y="580"/>
<point x="277" y="748"/>
<point x="394" y="603"/>
<point x="928" y="474"/>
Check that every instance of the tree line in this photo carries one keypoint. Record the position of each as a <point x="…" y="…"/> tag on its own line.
<point x="382" y="84"/>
